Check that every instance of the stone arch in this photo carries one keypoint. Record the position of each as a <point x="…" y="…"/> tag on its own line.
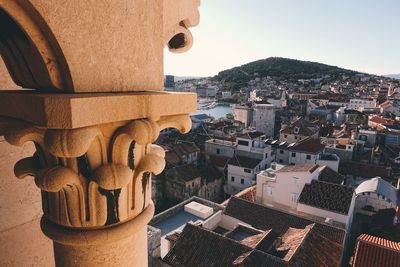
<point x="30" y="51"/>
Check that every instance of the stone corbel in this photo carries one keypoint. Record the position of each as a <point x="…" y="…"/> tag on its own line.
<point x="179" y="15"/>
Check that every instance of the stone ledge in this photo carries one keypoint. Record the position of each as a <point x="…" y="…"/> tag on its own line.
<point x="69" y="111"/>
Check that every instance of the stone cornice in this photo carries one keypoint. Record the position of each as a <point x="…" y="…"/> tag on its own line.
<point x="69" y="111"/>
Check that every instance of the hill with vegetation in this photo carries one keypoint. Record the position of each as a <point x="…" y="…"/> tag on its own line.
<point x="281" y="69"/>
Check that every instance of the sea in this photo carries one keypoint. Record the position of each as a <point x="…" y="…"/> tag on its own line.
<point x="217" y="112"/>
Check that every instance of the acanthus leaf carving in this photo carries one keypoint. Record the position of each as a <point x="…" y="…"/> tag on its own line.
<point x="113" y="176"/>
<point x="56" y="178"/>
<point x="71" y="143"/>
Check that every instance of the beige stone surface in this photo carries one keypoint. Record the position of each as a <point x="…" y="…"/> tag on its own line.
<point x="19" y="199"/>
<point x="93" y="46"/>
<point x="25" y="245"/>
<point x="5" y="79"/>
<point x="127" y="252"/>
<point x="20" y="212"/>
<point x="66" y="111"/>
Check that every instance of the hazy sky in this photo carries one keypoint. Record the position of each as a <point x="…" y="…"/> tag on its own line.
<point x="363" y="35"/>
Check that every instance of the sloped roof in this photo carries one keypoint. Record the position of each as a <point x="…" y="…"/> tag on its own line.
<point x="219" y="161"/>
<point x="327" y="196"/>
<point x="244" y="162"/>
<point x="199" y="247"/>
<point x="251" y="135"/>
<point x="266" y="218"/>
<point x="373" y="251"/>
<point x="330" y="176"/>
<point x="309" y="145"/>
<point x="298" y="168"/>
<point x="184" y="148"/>
<point x="365" y="170"/>
<point x="183" y="173"/>
<point x="305" y="128"/>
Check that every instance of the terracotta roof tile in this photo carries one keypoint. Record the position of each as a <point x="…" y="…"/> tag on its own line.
<point x="266" y="218"/>
<point x="299" y="168"/>
<point x="327" y="196"/>
<point x="183" y="173"/>
<point x="199" y="247"/>
<point x="251" y="135"/>
<point x="309" y="145"/>
<point x="244" y="162"/>
<point x="330" y="176"/>
<point x="305" y="128"/>
<point x="373" y="251"/>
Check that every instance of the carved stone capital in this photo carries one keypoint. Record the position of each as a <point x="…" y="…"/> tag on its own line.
<point x="93" y="176"/>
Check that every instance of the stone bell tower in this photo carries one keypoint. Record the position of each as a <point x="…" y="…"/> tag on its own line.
<point x="95" y="105"/>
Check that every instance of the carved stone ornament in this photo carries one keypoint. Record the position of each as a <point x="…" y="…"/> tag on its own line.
<point x="93" y="176"/>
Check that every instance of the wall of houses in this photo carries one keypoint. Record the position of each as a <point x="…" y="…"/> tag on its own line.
<point x="21" y="240"/>
<point x="338" y="217"/>
<point x="180" y="190"/>
<point x="239" y="178"/>
<point x="285" y="189"/>
<point x="373" y="200"/>
<point x="333" y="164"/>
<point x="243" y="114"/>
<point x="300" y="158"/>
<point x="282" y="156"/>
<point x="264" y="118"/>
<point x="219" y="147"/>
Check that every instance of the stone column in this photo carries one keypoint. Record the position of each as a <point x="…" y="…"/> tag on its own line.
<point x="94" y="150"/>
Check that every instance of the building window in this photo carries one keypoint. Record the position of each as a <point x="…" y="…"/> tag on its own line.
<point x="295" y="137"/>
<point x="243" y="143"/>
<point x="308" y="157"/>
<point x="269" y="191"/>
<point x="193" y="184"/>
<point x="293" y="198"/>
<point x="232" y="179"/>
<point x="242" y="181"/>
<point x="266" y="155"/>
<point x="293" y="155"/>
<point x="247" y="170"/>
<point x="285" y="135"/>
<point x="280" y="161"/>
<point x="281" y="151"/>
<point x="218" y="151"/>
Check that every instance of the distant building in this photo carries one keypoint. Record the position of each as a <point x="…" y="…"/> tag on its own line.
<point x="251" y="156"/>
<point x="207" y="91"/>
<point x="298" y="130"/>
<point x="306" y="189"/>
<point x="264" y="117"/>
<point x="307" y="151"/>
<point x="361" y="104"/>
<point x="169" y="81"/>
<point x="284" y="186"/>
<point x="243" y="113"/>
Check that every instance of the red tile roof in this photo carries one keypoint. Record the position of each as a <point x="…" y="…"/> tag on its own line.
<point x="373" y="251"/>
<point x="327" y="196"/>
<point x="244" y="162"/>
<point x="309" y="145"/>
<point x="299" y="168"/>
<point x="380" y="120"/>
<point x="251" y="135"/>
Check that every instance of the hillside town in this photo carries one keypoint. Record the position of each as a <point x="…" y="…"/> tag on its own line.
<point x="302" y="173"/>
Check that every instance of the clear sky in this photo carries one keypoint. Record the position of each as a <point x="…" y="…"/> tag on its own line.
<point x="362" y="35"/>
